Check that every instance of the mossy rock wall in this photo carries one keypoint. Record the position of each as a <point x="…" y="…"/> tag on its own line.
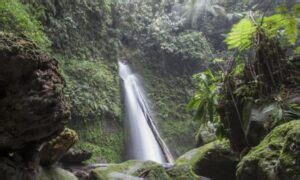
<point x="276" y="157"/>
<point x="85" y="45"/>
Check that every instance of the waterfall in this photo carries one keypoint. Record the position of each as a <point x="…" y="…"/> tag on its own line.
<point x="144" y="142"/>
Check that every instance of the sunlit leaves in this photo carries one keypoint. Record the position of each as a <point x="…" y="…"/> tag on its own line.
<point x="241" y="35"/>
<point x="297" y="50"/>
<point x="283" y="26"/>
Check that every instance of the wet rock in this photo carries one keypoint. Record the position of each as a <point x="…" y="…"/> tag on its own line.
<point x="206" y="134"/>
<point x="276" y="157"/>
<point x="57" y="147"/>
<point x="75" y="156"/>
<point x="259" y="118"/>
<point x="15" y="167"/>
<point x="81" y="175"/>
<point x="32" y="106"/>
<point x="182" y="171"/>
<point x="151" y="170"/>
<point x="214" y="160"/>
<point x="55" y="174"/>
<point x="256" y="119"/>
<point x="130" y="169"/>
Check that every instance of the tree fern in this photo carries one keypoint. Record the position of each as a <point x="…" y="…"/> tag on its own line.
<point x="241" y="35"/>
<point x="282" y="25"/>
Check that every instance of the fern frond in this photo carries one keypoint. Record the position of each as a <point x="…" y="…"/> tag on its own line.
<point x="241" y="35"/>
<point x="281" y="22"/>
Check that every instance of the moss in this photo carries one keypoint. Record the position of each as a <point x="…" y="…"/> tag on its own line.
<point x="132" y="168"/>
<point x="93" y="91"/>
<point x="57" y="147"/>
<point x="151" y="170"/>
<point x="183" y="172"/>
<point x="195" y="155"/>
<point x="16" y="19"/>
<point x="104" y="173"/>
<point x="210" y="158"/>
<point x="277" y="156"/>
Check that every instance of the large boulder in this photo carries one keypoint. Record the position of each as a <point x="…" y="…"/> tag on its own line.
<point x="130" y="170"/>
<point x="55" y="174"/>
<point x="57" y="147"/>
<point x="183" y="171"/>
<point x="276" y="157"/>
<point x="214" y="160"/>
<point x="14" y="167"/>
<point x="32" y="106"/>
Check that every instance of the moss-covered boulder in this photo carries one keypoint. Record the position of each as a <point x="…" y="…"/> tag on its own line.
<point x="131" y="170"/>
<point x="55" y="174"/>
<point x="57" y="147"/>
<point x="182" y="171"/>
<point x="276" y="157"/>
<point x="214" y="160"/>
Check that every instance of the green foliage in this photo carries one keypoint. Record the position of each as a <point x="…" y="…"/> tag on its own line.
<point x="285" y="23"/>
<point x="106" y="147"/>
<point x="297" y="50"/>
<point x="94" y="94"/>
<point x="241" y="35"/>
<point x="92" y="88"/>
<point x="162" y="31"/>
<point x="14" y="18"/>
<point x="191" y="44"/>
<point x="282" y="25"/>
<point x="206" y="96"/>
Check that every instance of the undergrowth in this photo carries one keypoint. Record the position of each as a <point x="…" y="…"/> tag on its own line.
<point x="94" y="94"/>
<point x="14" y="18"/>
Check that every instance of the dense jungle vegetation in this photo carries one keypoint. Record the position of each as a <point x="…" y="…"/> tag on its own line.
<point x="222" y="77"/>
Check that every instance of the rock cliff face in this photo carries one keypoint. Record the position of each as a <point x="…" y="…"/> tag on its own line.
<point x="85" y="44"/>
<point x="32" y="105"/>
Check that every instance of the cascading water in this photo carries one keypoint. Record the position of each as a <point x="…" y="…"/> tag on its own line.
<point x="144" y="142"/>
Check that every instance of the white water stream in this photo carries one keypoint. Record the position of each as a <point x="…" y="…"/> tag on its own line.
<point x="144" y="142"/>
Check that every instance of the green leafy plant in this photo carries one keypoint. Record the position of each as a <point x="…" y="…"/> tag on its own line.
<point x="281" y="25"/>
<point x="205" y="98"/>
<point x="241" y="35"/>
